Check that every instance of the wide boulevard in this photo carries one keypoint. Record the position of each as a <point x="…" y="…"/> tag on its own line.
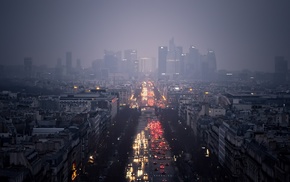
<point x="147" y="142"/>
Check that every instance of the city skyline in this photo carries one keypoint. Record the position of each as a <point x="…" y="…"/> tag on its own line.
<point x="244" y="35"/>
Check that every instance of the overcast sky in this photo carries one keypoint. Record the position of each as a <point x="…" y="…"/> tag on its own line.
<point x="245" y="34"/>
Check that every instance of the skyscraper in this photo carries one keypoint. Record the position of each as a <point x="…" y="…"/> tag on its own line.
<point x="211" y="59"/>
<point x="208" y="66"/>
<point x="130" y="56"/>
<point x="193" y="64"/>
<point x="173" y="59"/>
<point x="112" y="60"/>
<point x="162" y="58"/>
<point x="97" y="66"/>
<point x="146" y="65"/>
<point x="171" y="50"/>
<point x="204" y="68"/>
<point x="182" y="64"/>
<point x="135" y="68"/>
<point x="178" y="59"/>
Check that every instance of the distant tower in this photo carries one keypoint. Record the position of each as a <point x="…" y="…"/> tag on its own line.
<point x="97" y="66"/>
<point x="173" y="59"/>
<point x="211" y="59"/>
<point x="130" y="56"/>
<point x="171" y="50"/>
<point x="68" y="62"/>
<point x="28" y="67"/>
<point x="204" y="68"/>
<point x="178" y="52"/>
<point x="182" y="64"/>
<point x="146" y="65"/>
<point x="136" y="68"/>
<point x="178" y="59"/>
<point x="193" y="63"/>
<point x="112" y="60"/>
<point x="281" y="69"/>
<point x="162" y="58"/>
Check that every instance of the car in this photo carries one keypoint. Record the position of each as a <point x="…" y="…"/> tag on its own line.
<point x="145" y="176"/>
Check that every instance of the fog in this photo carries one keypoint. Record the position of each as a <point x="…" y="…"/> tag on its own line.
<point x="244" y="34"/>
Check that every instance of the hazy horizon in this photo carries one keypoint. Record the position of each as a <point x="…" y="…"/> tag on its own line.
<point x="244" y="34"/>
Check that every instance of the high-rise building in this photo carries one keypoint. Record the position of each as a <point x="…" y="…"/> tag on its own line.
<point x="170" y="67"/>
<point x="173" y="59"/>
<point x="130" y="56"/>
<point x="136" y="68"/>
<point x="68" y="63"/>
<point x="208" y="66"/>
<point x="211" y="59"/>
<point x="204" y="68"/>
<point x="123" y="66"/>
<point x="162" y="59"/>
<point x="178" y="58"/>
<point x="171" y="50"/>
<point x="178" y="52"/>
<point x="28" y="67"/>
<point x="281" y="69"/>
<point x="112" y="60"/>
<point x="182" y="64"/>
<point x="97" y="66"/>
<point x="193" y="64"/>
<point x="146" y="65"/>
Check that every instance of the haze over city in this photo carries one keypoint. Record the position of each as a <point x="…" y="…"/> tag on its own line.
<point x="244" y="34"/>
<point x="144" y="90"/>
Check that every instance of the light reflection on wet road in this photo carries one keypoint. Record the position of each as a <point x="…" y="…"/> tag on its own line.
<point x="151" y="159"/>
